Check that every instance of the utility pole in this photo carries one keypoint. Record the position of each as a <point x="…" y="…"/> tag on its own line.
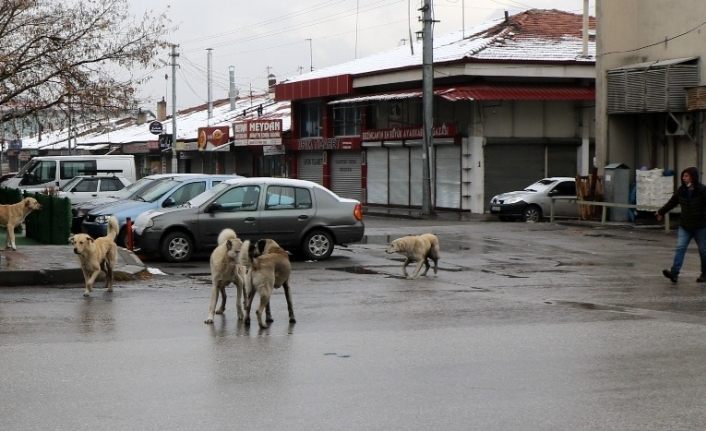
<point x="209" y="57"/>
<point x="311" y="56"/>
<point x="175" y="162"/>
<point x="428" y="104"/>
<point x="232" y="92"/>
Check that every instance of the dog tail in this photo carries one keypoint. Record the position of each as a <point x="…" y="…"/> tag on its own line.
<point x="225" y="235"/>
<point x="244" y="257"/>
<point x="113" y="228"/>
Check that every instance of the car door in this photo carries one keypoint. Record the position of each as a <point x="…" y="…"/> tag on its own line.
<point x="565" y="207"/>
<point x="236" y="208"/>
<point x="84" y="190"/>
<point x="286" y="214"/>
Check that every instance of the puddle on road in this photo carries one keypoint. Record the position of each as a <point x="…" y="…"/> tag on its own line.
<point x="355" y="270"/>
<point x="592" y="306"/>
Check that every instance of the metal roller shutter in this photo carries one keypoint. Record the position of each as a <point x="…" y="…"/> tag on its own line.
<point x="448" y="176"/>
<point x="511" y="167"/>
<point x="399" y="176"/>
<point x="376" y="159"/>
<point x="416" y="177"/>
<point x="345" y="174"/>
<point x="563" y="161"/>
<point x="310" y="166"/>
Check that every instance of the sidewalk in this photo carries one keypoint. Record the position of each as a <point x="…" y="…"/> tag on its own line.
<point x="38" y="264"/>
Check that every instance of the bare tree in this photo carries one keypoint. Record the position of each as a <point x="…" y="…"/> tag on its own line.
<point x="73" y="55"/>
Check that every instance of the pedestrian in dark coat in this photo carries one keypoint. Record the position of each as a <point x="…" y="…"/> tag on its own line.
<point x="691" y="197"/>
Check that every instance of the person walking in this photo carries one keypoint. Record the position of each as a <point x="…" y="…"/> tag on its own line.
<point x="691" y="196"/>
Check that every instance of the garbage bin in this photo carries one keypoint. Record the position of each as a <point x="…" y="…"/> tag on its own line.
<point x="616" y="183"/>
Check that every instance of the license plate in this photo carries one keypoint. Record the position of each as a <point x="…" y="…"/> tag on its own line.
<point x="495" y="208"/>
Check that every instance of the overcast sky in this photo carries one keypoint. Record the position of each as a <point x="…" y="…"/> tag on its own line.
<point x="257" y="37"/>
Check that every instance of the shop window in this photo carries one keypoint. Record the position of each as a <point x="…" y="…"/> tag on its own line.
<point x="310" y="120"/>
<point x="346" y="121"/>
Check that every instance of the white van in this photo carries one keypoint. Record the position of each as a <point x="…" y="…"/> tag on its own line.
<point x="52" y="172"/>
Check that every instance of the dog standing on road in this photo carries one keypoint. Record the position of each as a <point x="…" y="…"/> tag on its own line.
<point x="13" y="215"/>
<point x="97" y="255"/>
<point x="417" y="248"/>
<point x="268" y="268"/>
<point x="225" y="269"/>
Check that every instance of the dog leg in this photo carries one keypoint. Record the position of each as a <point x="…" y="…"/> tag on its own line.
<point x="248" y="303"/>
<point x="290" y="306"/>
<point x="239" y="299"/>
<point x="417" y="269"/>
<point x="11" y="237"/>
<point x="426" y="266"/>
<point x="404" y="267"/>
<point x="108" y="278"/>
<point x="222" y="289"/>
<point x="212" y="303"/>
<point x="89" y="282"/>
<point x="264" y="302"/>
<point x="436" y="264"/>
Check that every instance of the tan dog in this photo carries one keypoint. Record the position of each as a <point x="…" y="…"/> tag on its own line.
<point x="268" y="268"/>
<point x="97" y="255"/>
<point x="13" y="215"/>
<point x="225" y="269"/>
<point x="417" y="248"/>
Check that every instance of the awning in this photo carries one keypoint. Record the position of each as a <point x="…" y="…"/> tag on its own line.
<point x="655" y="64"/>
<point x="487" y="92"/>
<point x="515" y="92"/>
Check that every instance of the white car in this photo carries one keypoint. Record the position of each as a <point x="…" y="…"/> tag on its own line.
<point x="84" y="188"/>
<point x="533" y="203"/>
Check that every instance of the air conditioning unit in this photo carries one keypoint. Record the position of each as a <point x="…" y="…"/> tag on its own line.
<point x="680" y="124"/>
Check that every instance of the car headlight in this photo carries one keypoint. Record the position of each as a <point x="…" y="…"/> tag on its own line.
<point x="512" y="200"/>
<point x="102" y="218"/>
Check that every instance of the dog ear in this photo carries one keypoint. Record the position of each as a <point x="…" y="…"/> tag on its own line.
<point x="229" y="245"/>
<point x="71" y="239"/>
<point x="261" y="244"/>
<point x="91" y="239"/>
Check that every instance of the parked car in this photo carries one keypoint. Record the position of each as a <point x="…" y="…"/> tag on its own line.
<point x="51" y="172"/>
<point x="84" y="188"/>
<point x="533" y="203"/>
<point x="302" y="216"/>
<point x="169" y="192"/>
<point x="132" y="192"/>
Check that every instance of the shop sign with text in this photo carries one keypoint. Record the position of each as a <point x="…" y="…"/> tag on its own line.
<point x="317" y="144"/>
<point x="258" y="132"/>
<point x="401" y="133"/>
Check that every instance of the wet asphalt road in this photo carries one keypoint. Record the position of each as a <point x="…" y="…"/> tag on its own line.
<point x="526" y="326"/>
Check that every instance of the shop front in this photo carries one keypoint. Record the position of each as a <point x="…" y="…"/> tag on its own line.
<point x="259" y="149"/>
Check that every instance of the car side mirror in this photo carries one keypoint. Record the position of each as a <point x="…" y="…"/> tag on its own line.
<point x="169" y="202"/>
<point x="215" y="206"/>
<point x="553" y="192"/>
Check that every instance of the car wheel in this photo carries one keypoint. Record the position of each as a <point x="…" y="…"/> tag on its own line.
<point x="177" y="247"/>
<point x="532" y="213"/>
<point x="317" y="245"/>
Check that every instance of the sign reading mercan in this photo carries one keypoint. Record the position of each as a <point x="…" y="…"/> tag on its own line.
<point x="156" y="128"/>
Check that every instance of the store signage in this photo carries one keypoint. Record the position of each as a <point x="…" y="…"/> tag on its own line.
<point x="258" y="132"/>
<point x="210" y="138"/>
<point x="136" y="148"/>
<point x="315" y="144"/>
<point x="396" y="134"/>
<point x="156" y="128"/>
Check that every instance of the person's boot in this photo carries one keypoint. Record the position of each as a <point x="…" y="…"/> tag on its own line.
<point x="674" y="277"/>
<point x="702" y="278"/>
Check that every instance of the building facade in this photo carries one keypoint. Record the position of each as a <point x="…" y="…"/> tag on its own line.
<point x="514" y="102"/>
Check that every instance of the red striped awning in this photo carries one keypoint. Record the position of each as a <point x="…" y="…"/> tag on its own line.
<point x="516" y="92"/>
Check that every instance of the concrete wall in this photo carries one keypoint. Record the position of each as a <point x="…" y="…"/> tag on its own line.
<point x="636" y="31"/>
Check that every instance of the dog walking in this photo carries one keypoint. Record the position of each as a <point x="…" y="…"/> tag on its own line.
<point x="691" y="197"/>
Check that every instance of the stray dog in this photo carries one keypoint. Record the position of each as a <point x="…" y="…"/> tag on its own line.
<point x="268" y="268"/>
<point x="97" y="255"/>
<point x="13" y="215"/>
<point x="417" y="248"/>
<point x="225" y="269"/>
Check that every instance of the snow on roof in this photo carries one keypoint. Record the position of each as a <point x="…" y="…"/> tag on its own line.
<point x="188" y="123"/>
<point x="535" y="35"/>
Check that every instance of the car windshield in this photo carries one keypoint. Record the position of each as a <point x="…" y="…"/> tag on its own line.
<point x="70" y="184"/>
<point x="205" y="196"/>
<point x="133" y="190"/>
<point x="159" y="190"/>
<point x="539" y="186"/>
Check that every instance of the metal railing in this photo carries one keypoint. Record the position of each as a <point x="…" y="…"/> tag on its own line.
<point x="604" y="208"/>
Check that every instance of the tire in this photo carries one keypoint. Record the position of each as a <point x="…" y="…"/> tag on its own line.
<point x="121" y="239"/>
<point x="177" y="246"/>
<point x="532" y="213"/>
<point x="317" y="245"/>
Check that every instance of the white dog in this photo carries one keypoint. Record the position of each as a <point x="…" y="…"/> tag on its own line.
<point x="97" y="255"/>
<point x="225" y="269"/>
<point x="417" y="248"/>
<point x="13" y="215"/>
